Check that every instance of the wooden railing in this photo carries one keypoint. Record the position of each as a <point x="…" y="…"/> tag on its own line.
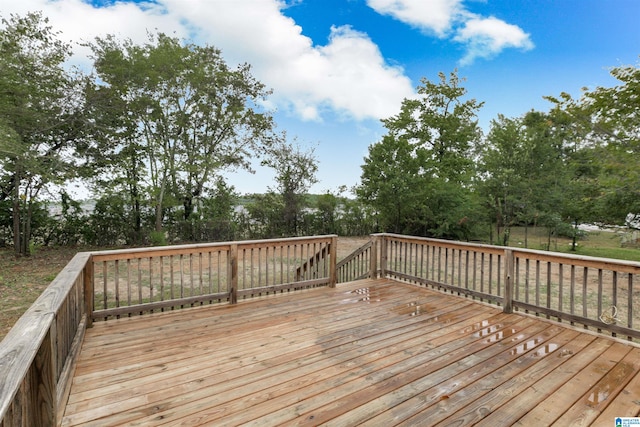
<point x="38" y="354"/>
<point x="358" y="265"/>
<point x="595" y="293"/>
<point x="137" y="281"/>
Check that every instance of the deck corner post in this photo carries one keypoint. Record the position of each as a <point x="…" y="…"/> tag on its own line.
<point x="233" y="274"/>
<point x="333" y="261"/>
<point x="383" y="254"/>
<point x="88" y="290"/>
<point x="373" y="261"/>
<point x="508" y="281"/>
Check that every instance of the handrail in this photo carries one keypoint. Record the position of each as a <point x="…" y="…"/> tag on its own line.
<point x="38" y="353"/>
<point x="37" y="356"/>
<point x="593" y="292"/>
<point x="357" y="265"/>
<point x="137" y="281"/>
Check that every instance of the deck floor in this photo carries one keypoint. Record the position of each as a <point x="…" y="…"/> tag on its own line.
<point x="372" y="352"/>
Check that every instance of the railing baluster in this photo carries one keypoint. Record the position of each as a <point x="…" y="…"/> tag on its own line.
<point x="537" y="283"/>
<point x="572" y="290"/>
<point x="630" y="309"/>
<point x="139" y="269"/>
<point x="105" y="291"/>
<point x="585" y="296"/>
<point x="128" y="281"/>
<point x="548" y="286"/>
<point x="161" y="268"/>
<point x="171" y="277"/>
<point x="560" y="286"/>
<point x="116" y="272"/>
<point x="600" y="287"/>
<point x="526" y="280"/>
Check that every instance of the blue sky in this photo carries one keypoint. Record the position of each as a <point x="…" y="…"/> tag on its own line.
<point x="339" y="66"/>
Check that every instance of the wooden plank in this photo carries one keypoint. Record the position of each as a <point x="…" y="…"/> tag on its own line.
<point x="284" y="287"/>
<point x="375" y="352"/>
<point x="491" y="392"/>
<point x="558" y="400"/>
<point x="219" y="355"/>
<point x="433" y="366"/>
<point x="626" y="403"/>
<point x="66" y="376"/>
<point x="157" y="305"/>
<point x="29" y="342"/>
<point x="314" y="376"/>
<point x="324" y="382"/>
<point x="570" y="360"/>
<point x="434" y="398"/>
<point x="593" y="402"/>
<point x="285" y="368"/>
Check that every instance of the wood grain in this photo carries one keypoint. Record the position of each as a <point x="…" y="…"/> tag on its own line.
<point x="371" y="352"/>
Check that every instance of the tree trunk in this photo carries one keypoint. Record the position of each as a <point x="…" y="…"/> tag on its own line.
<point x="17" y="243"/>
<point x="17" y="230"/>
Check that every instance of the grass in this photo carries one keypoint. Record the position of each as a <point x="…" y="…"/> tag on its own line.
<point x="22" y="280"/>
<point x="603" y="244"/>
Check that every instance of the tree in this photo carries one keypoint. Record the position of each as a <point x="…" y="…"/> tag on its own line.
<point x="521" y="156"/>
<point x="41" y="117"/>
<point x="184" y="114"/>
<point x="394" y="184"/>
<point x="604" y="125"/>
<point x="425" y="158"/>
<point x="295" y="173"/>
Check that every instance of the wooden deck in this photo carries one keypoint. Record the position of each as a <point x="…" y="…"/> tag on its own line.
<point x="376" y="353"/>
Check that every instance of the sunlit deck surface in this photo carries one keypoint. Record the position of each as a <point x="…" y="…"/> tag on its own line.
<point x="371" y="352"/>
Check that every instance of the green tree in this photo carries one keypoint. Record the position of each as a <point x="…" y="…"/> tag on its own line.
<point x="295" y="173"/>
<point x="603" y="131"/>
<point x="188" y="115"/>
<point x="425" y="159"/>
<point x="41" y="117"/>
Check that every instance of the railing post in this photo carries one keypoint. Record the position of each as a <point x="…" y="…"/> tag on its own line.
<point x="508" y="281"/>
<point x="373" y="261"/>
<point x="333" y="261"/>
<point x="233" y="273"/>
<point x="383" y="255"/>
<point x="88" y="291"/>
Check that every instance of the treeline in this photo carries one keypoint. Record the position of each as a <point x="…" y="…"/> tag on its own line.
<point x="153" y="127"/>
<point x="225" y="216"/>
<point x="434" y="173"/>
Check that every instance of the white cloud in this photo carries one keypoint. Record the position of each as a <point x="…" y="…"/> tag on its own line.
<point x="348" y="75"/>
<point x="487" y="37"/>
<point x="482" y="37"/>
<point x="430" y="15"/>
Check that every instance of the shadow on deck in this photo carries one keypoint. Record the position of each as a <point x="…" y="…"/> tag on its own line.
<point x="369" y="352"/>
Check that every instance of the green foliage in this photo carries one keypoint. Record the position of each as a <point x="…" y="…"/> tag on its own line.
<point x="68" y="228"/>
<point x="41" y="117"/>
<point x="110" y="223"/>
<point x="264" y="216"/>
<point x="295" y="173"/>
<point x="426" y="153"/>
<point x="158" y="238"/>
<point x="604" y="127"/>
<point x="214" y="218"/>
<point x="184" y="114"/>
